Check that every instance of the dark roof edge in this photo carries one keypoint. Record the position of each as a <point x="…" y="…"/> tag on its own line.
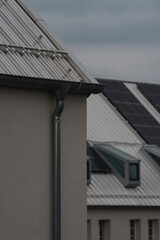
<point x="120" y="206"/>
<point x="49" y="84"/>
<point x="104" y="80"/>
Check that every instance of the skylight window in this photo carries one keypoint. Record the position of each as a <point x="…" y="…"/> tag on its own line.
<point x="152" y="152"/>
<point x="123" y="165"/>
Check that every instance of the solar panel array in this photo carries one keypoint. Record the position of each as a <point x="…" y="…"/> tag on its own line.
<point x="97" y="163"/>
<point x="132" y="110"/>
<point x="152" y="93"/>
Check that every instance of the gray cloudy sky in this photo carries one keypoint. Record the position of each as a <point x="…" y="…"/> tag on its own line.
<point x="118" y="39"/>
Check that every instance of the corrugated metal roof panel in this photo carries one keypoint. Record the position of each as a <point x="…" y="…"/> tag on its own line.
<point x="31" y="65"/>
<point x="105" y="124"/>
<point x="19" y="28"/>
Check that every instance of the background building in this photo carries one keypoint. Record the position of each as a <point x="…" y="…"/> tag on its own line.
<point x="123" y="133"/>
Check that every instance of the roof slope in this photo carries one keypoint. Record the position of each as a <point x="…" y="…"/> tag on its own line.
<point x="28" y="48"/>
<point x="133" y="110"/>
<point x="106" y="189"/>
<point x="105" y="123"/>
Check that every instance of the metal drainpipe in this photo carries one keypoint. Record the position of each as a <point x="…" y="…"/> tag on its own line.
<point x="56" y="120"/>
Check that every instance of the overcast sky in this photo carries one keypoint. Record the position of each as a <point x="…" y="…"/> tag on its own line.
<point x="118" y="39"/>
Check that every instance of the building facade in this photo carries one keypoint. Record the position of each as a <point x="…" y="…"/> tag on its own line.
<point x="42" y="163"/>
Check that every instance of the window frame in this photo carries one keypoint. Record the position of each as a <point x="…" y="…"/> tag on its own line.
<point x="154" y="228"/>
<point x="104" y="229"/>
<point x="101" y="230"/>
<point x="137" y="174"/>
<point x="136" y="229"/>
<point x="132" y="230"/>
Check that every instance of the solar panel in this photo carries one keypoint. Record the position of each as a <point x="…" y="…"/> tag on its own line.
<point x="152" y="93"/>
<point x="132" y="110"/>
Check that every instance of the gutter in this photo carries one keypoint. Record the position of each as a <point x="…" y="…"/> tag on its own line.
<point x="49" y="84"/>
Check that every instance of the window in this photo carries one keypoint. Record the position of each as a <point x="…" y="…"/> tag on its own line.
<point x="134" y="229"/>
<point x="152" y="229"/>
<point x="104" y="229"/>
<point x="152" y="152"/>
<point x="123" y="165"/>
<point x="101" y="230"/>
<point x="134" y="172"/>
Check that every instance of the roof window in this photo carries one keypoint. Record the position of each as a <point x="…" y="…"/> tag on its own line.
<point x="123" y="165"/>
<point x="152" y="152"/>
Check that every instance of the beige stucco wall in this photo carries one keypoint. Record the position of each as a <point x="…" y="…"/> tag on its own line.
<point x="119" y="218"/>
<point x="26" y="160"/>
<point x="74" y="207"/>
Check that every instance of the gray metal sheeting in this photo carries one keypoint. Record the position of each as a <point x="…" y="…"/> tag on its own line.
<point x="18" y="29"/>
<point x="104" y="124"/>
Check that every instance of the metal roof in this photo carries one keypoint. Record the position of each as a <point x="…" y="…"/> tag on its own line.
<point x="106" y="124"/>
<point x="107" y="190"/>
<point x="27" y="47"/>
<point x="132" y="110"/>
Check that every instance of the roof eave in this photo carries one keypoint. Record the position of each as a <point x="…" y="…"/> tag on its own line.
<point x="49" y="84"/>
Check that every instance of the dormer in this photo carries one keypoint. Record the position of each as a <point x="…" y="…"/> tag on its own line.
<point x="125" y="167"/>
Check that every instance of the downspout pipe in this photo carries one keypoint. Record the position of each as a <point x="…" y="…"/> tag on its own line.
<point x="56" y="122"/>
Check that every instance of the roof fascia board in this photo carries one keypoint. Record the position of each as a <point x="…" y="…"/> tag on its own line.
<point x="57" y="42"/>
